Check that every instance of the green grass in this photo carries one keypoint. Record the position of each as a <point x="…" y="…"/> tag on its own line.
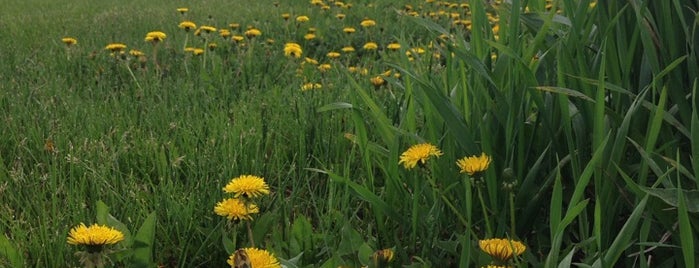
<point x="589" y="115"/>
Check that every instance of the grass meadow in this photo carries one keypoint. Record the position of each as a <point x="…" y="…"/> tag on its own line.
<point x="586" y="110"/>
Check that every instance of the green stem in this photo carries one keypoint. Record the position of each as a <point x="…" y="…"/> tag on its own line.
<point x="489" y="231"/>
<point x="252" y="240"/>
<point x="512" y="214"/>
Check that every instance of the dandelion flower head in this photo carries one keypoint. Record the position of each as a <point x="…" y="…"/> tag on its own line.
<point x="187" y="25"/>
<point x="257" y="258"/>
<point x="502" y="250"/>
<point x="292" y="50"/>
<point x="253" y="33"/>
<point x="115" y="47"/>
<point x="248" y="186"/>
<point x="418" y="153"/>
<point x="371" y="46"/>
<point x="94" y="235"/>
<point x="155" y="36"/>
<point x="367" y="23"/>
<point x="235" y="209"/>
<point x="69" y="41"/>
<point x="474" y="164"/>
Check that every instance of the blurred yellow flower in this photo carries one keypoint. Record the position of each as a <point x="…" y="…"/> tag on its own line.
<point x="253" y="257"/>
<point x="212" y="46"/>
<point x="302" y="19"/>
<point x="293" y="50"/>
<point x="309" y="86"/>
<point x="207" y="28"/>
<point x="370" y="46"/>
<point x="198" y="51"/>
<point x="377" y="81"/>
<point x="187" y="25"/>
<point x="234" y="26"/>
<point x="349" y="30"/>
<point x="69" y="41"/>
<point x="183" y="10"/>
<point x="309" y="36"/>
<point x="155" y="36"/>
<point x="310" y="61"/>
<point x="340" y="16"/>
<point x="324" y="67"/>
<point x="286" y="16"/>
<point x="348" y="49"/>
<point x="474" y="164"/>
<point x="418" y="153"/>
<point x="333" y="55"/>
<point x="248" y="186"/>
<point x="235" y="209"/>
<point x="252" y="32"/>
<point x="115" y="47"/>
<point x="237" y="38"/>
<point x="382" y="257"/>
<point x="368" y="23"/>
<point x="95" y="235"/>
<point x="502" y="250"/>
<point x="393" y="46"/>
<point x="225" y="33"/>
<point x="136" y="53"/>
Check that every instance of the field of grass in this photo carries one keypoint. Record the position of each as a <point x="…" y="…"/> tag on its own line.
<point x="586" y="113"/>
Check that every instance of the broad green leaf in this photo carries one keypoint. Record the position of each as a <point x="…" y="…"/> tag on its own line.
<point x="143" y="242"/>
<point x="104" y="218"/>
<point x="10" y="253"/>
<point x="671" y="197"/>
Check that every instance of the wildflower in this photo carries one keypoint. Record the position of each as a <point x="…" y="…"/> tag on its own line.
<point x="69" y="41"/>
<point x="155" y="37"/>
<point x="309" y="36"/>
<point x="293" y="50"/>
<point x="254" y="258"/>
<point x="237" y="38"/>
<point x="115" y="47"/>
<point x="348" y="49"/>
<point x="340" y="16"/>
<point x="302" y="19"/>
<point x="370" y="46"/>
<point x="382" y="257"/>
<point x="212" y="46"/>
<point x="207" y="28"/>
<point x="324" y="67"/>
<point x="502" y="250"/>
<point x="474" y="164"/>
<point x="349" y="30"/>
<point x="136" y="53"/>
<point x="183" y="10"/>
<point x="248" y="186"/>
<point x="418" y="153"/>
<point x="309" y="86"/>
<point x="94" y="236"/>
<point x="225" y="33"/>
<point x="234" y="26"/>
<point x="198" y="51"/>
<point x="187" y="25"/>
<point x="286" y="16"/>
<point x="317" y="2"/>
<point x="367" y="23"/>
<point x="377" y="81"/>
<point x="333" y="54"/>
<point x="393" y="46"/>
<point x="235" y="209"/>
<point x="310" y="61"/>
<point x="252" y="32"/>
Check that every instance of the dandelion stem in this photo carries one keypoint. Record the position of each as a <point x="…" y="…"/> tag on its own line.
<point x="489" y="231"/>
<point x="252" y="239"/>
<point x="512" y="213"/>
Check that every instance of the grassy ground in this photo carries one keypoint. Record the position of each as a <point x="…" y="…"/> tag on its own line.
<point x="586" y="109"/>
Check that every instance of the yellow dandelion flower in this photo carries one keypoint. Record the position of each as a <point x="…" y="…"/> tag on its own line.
<point x="333" y="55"/>
<point x="183" y="10"/>
<point x="155" y="36"/>
<point x="187" y="25"/>
<point x="418" y="153"/>
<point x="310" y="61"/>
<point x="377" y="81"/>
<point x="393" y="46"/>
<point x="292" y="50"/>
<point x="309" y="86"/>
<point x="474" y="164"/>
<point x="502" y="250"/>
<point x="302" y="19"/>
<point x="234" y="26"/>
<point x="95" y="235"/>
<point x="237" y="38"/>
<point x="382" y="257"/>
<point x="309" y="36"/>
<point x="115" y="47"/>
<point x="136" y="53"/>
<point x="207" y="28"/>
<point x="324" y="67"/>
<point x="349" y="30"/>
<point x="286" y="16"/>
<point x="235" y="209"/>
<point x="198" y="51"/>
<point x="248" y="186"/>
<point x="252" y="32"/>
<point x="69" y="41"/>
<point x="212" y="46"/>
<point x="348" y="49"/>
<point x="254" y="258"/>
<point x="367" y="23"/>
<point x="371" y="46"/>
<point x="225" y="33"/>
<point x="340" y="16"/>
